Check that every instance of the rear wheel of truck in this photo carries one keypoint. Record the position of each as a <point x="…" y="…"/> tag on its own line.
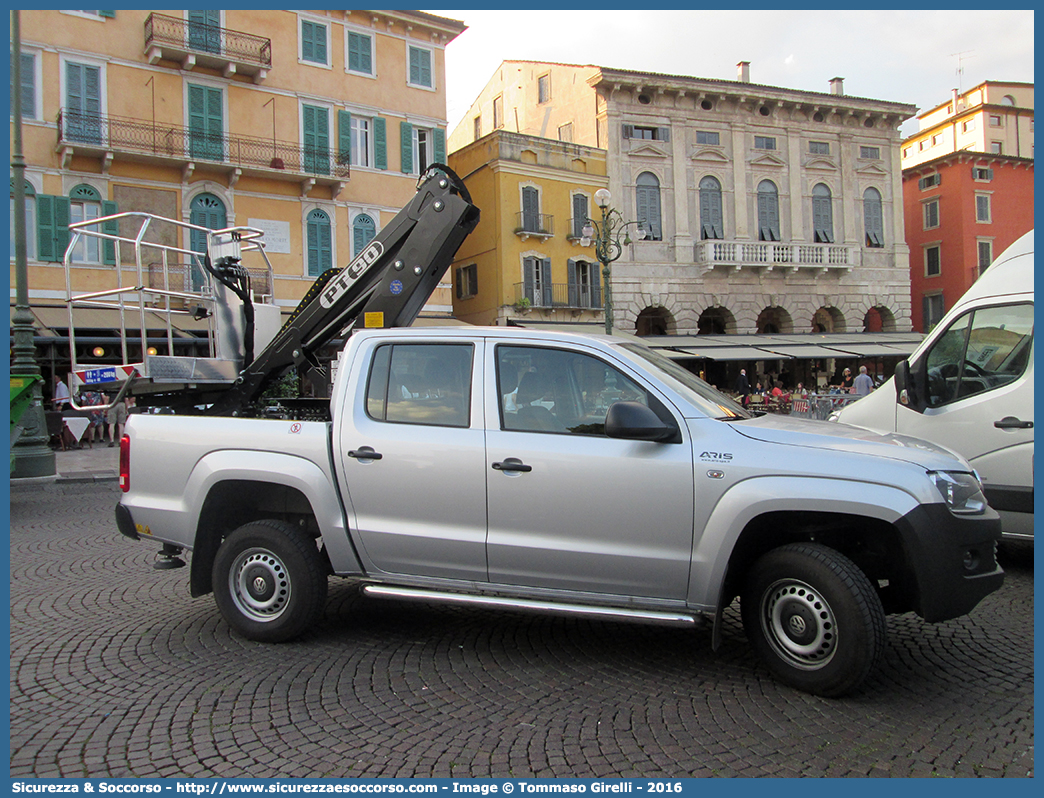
<point x="269" y="581"/>
<point x="813" y="618"/>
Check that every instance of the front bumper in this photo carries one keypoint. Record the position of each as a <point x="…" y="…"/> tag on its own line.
<point x="952" y="559"/>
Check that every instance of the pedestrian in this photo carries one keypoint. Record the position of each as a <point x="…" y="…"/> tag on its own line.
<point x="863" y="383"/>
<point x="117" y="417"/>
<point x="61" y="394"/>
<point x="846" y="381"/>
<point x="742" y="386"/>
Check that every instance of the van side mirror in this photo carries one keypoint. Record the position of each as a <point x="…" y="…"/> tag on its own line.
<point x="634" y="421"/>
<point x="909" y="390"/>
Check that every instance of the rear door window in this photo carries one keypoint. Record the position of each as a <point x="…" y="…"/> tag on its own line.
<point x="421" y="384"/>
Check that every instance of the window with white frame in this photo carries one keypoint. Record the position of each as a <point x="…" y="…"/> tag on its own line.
<point x="359" y="48"/>
<point x="364" y="229"/>
<point x="30" y="85"/>
<point x="362" y="144"/>
<point x="420" y="67"/>
<point x="982" y="174"/>
<point x="536" y="281"/>
<point x="985" y="254"/>
<point x="873" y="218"/>
<point x="931" y="214"/>
<point x="84" y="204"/>
<point x="314" y="41"/>
<point x="983" y="208"/>
<point x="932" y="261"/>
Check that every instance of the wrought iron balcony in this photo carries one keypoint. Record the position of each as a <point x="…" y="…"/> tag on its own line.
<point x="558" y="295"/>
<point x="770" y="255"/>
<point x="194" y="43"/>
<point x="541" y="225"/>
<point x="114" y="136"/>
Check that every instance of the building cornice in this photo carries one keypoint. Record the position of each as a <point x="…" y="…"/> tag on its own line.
<point x="964" y="156"/>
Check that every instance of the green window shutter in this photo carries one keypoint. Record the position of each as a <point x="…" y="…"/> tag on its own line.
<point x="319" y="244"/>
<point x="546" y="282"/>
<point x="52" y="227"/>
<point x="206" y="123"/>
<point x="574" y="293"/>
<point x="344" y="137"/>
<point x="380" y="143"/>
<point x="313" y="42"/>
<point x="360" y="58"/>
<point x="414" y="65"/>
<point x="406" y="146"/>
<point x="111" y="227"/>
<point x="28" y="85"/>
<point x="440" y="145"/>
<point x="109" y="14"/>
<point x="307" y="41"/>
<point x="316" y="124"/>
<point x="596" y="285"/>
<point x="420" y="67"/>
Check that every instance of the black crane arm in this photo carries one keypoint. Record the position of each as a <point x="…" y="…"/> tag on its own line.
<point x="386" y="285"/>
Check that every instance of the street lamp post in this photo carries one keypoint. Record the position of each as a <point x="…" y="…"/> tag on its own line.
<point x="32" y="456"/>
<point x="605" y="235"/>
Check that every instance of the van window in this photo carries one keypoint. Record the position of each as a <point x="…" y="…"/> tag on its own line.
<point x="982" y="350"/>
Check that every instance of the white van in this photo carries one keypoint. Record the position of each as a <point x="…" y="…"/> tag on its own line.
<point x="969" y="387"/>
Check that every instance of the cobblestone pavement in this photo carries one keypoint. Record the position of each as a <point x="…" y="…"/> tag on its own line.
<point x="116" y="671"/>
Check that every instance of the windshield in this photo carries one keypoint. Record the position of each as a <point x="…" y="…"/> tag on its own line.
<point x="709" y="400"/>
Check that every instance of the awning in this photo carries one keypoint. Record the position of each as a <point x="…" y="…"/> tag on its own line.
<point x="800" y="346"/>
<point x="51" y="318"/>
<point x="726" y="353"/>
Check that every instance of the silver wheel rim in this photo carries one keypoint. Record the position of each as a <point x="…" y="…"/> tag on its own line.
<point x="799" y="624"/>
<point x="259" y="584"/>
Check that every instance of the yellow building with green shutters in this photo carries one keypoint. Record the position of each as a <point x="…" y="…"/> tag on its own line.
<point x="311" y="125"/>
<point x="526" y="258"/>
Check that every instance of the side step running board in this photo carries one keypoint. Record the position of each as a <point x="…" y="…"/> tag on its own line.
<point x="614" y="613"/>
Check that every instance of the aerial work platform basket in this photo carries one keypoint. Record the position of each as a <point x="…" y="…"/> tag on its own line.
<point x="161" y="292"/>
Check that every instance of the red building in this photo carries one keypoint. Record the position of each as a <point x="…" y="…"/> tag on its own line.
<point x="962" y="210"/>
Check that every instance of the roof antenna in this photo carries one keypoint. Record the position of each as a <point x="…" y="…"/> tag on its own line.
<point x="960" y="66"/>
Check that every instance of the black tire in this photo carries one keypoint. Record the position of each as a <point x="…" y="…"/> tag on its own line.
<point x="813" y="618"/>
<point x="269" y="581"/>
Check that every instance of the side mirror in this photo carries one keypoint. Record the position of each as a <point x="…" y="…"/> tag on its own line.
<point x="909" y="390"/>
<point x="634" y="421"/>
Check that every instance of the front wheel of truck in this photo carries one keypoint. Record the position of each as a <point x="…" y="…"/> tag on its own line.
<point x="813" y="618"/>
<point x="269" y="581"/>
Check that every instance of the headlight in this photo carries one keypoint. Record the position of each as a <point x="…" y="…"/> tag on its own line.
<point x="961" y="492"/>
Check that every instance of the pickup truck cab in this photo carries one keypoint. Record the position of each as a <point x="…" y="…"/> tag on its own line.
<point x="565" y="473"/>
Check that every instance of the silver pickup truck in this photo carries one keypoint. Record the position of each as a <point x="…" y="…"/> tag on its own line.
<point x="564" y="473"/>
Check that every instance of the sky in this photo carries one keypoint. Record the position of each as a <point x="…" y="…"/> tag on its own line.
<point x="894" y="55"/>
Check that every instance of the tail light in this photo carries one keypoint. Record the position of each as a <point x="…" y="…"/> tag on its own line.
<point x="125" y="463"/>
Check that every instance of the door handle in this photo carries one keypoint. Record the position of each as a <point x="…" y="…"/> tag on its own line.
<point x="365" y="453"/>
<point x="513" y="465"/>
<point x="1010" y="422"/>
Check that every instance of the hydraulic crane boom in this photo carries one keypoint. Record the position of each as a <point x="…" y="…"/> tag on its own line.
<point x="386" y="285"/>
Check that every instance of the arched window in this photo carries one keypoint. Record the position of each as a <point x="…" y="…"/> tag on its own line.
<point x="319" y="246"/>
<point x="873" y="218"/>
<point x="207" y="211"/>
<point x="822" y="214"/>
<point x="768" y="211"/>
<point x="86" y="203"/>
<point x="30" y="221"/>
<point x="647" y="204"/>
<point x="363" y="231"/>
<point x="711" y="220"/>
